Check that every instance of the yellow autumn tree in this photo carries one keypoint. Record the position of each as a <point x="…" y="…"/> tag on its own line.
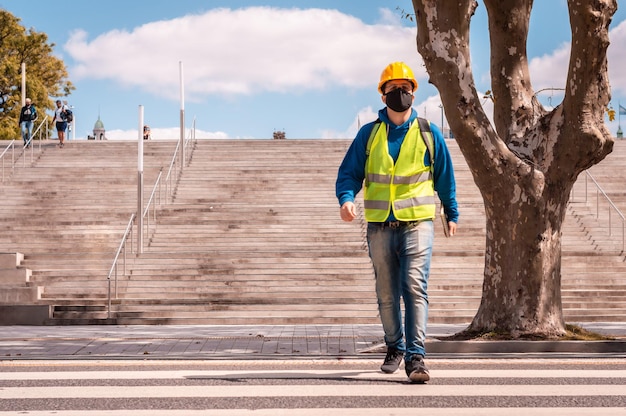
<point x="46" y="74"/>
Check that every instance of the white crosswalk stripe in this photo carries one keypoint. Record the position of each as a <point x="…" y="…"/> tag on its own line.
<point x="299" y="391"/>
<point x="523" y="411"/>
<point x="312" y="387"/>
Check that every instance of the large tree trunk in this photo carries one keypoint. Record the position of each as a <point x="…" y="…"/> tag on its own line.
<point x="522" y="279"/>
<point x="526" y="167"/>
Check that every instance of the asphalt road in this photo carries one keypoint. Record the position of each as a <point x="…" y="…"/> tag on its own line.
<point x="303" y="387"/>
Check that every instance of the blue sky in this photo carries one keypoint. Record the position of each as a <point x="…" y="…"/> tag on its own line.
<point x="252" y="67"/>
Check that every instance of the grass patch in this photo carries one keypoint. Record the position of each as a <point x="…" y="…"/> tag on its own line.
<point x="572" y="333"/>
<point x="577" y="333"/>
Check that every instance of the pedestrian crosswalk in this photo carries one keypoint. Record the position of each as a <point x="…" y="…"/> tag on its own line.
<point x="326" y="387"/>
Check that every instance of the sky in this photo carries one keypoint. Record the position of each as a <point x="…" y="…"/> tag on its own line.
<point x="252" y="67"/>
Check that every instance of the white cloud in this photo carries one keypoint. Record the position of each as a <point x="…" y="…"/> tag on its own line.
<point x="617" y="61"/>
<point x="430" y="109"/>
<point x="364" y="116"/>
<point x="245" y="51"/>
<point x="550" y="71"/>
<point x="389" y="17"/>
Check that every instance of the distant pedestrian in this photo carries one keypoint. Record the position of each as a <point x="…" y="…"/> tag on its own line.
<point x="60" y="121"/>
<point x="146" y="132"/>
<point x="27" y="117"/>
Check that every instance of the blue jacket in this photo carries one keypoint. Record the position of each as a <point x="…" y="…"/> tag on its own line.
<point x="352" y="170"/>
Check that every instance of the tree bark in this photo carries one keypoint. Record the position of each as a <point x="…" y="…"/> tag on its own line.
<point x="526" y="166"/>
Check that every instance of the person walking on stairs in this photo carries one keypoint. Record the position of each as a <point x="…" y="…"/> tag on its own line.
<point x="28" y="115"/>
<point x="402" y="160"/>
<point x="60" y="121"/>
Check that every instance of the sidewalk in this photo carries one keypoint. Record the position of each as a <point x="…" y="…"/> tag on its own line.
<point x="266" y="342"/>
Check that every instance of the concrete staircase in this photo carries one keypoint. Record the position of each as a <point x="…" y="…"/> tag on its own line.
<point x="253" y="236"/>
<point x="594" y="281"/>
<point x="66" y="210"/>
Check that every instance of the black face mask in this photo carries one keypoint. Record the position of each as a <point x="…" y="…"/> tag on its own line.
<point x="399" y="100"/>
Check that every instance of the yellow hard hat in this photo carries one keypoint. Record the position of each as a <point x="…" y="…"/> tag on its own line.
<point x="396" y="70"/>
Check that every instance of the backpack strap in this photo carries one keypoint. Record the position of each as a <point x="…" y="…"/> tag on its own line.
<point x="371" y="138"/>
<point x="429" y="140"/>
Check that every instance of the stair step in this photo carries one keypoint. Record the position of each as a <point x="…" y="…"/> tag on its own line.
<point x="246" y="240"/>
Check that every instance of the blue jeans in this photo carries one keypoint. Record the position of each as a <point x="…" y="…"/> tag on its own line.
<point x="27" y="131"/>
<point x="401" y="259"/>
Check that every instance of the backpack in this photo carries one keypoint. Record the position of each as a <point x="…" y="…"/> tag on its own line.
<point x="28" y="113"/>
<point x="33" y="113"/>
<point x="67" y="115"/>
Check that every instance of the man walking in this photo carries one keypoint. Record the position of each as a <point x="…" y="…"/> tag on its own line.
<point x="27" y="116"/>
<point x="60" y="121"/>
<point x="403" y="161"/>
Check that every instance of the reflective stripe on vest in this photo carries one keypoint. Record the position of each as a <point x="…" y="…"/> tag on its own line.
<point x="407" y="186"/>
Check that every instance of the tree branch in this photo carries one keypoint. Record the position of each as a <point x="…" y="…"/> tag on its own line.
<point x="517" y="109"/>
<point x="587" y="92"/>
<point x="443" y="42"/>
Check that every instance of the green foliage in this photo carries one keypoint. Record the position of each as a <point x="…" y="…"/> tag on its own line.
<point x="46" y="75"/>
<point x="610" y="111"/>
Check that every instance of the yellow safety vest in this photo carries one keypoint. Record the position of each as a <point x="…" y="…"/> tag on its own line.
<point x="407" y="186"/>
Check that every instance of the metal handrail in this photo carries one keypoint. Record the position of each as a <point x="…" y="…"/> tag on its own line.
<point x="611" y="206"/>
<point x="37" y="130"/>
<point x="172" y="172"/>
<point x="127" y="234"/>
<point x="146" y="214"/>
<point x="30" y="142"/>
<point x="12" y="147"/>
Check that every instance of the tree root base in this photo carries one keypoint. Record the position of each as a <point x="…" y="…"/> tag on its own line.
<point x="572" y="333"/>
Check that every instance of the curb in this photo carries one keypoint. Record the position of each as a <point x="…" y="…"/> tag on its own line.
<point x="529" y="347"/>
<point x="514" y="347"/>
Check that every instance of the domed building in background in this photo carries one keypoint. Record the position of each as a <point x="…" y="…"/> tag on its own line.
<point x="98" y="131"/>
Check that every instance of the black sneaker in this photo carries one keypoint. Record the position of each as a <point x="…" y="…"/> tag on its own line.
<point x="392" y="361"/>
<point x="416" y="369"/>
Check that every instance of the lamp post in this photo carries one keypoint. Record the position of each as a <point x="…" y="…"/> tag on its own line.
<point x="23" y="84"/>
<point x="442" y="128"/>
<point x="620" y="110"/>
<point x="182" y="116"/>
<point x="140" y="182"/>
<point x="72" y="126"/>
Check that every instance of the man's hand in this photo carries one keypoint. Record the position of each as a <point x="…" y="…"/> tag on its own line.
<point x="348" y="211"/>
<point x="452" y="228"/>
